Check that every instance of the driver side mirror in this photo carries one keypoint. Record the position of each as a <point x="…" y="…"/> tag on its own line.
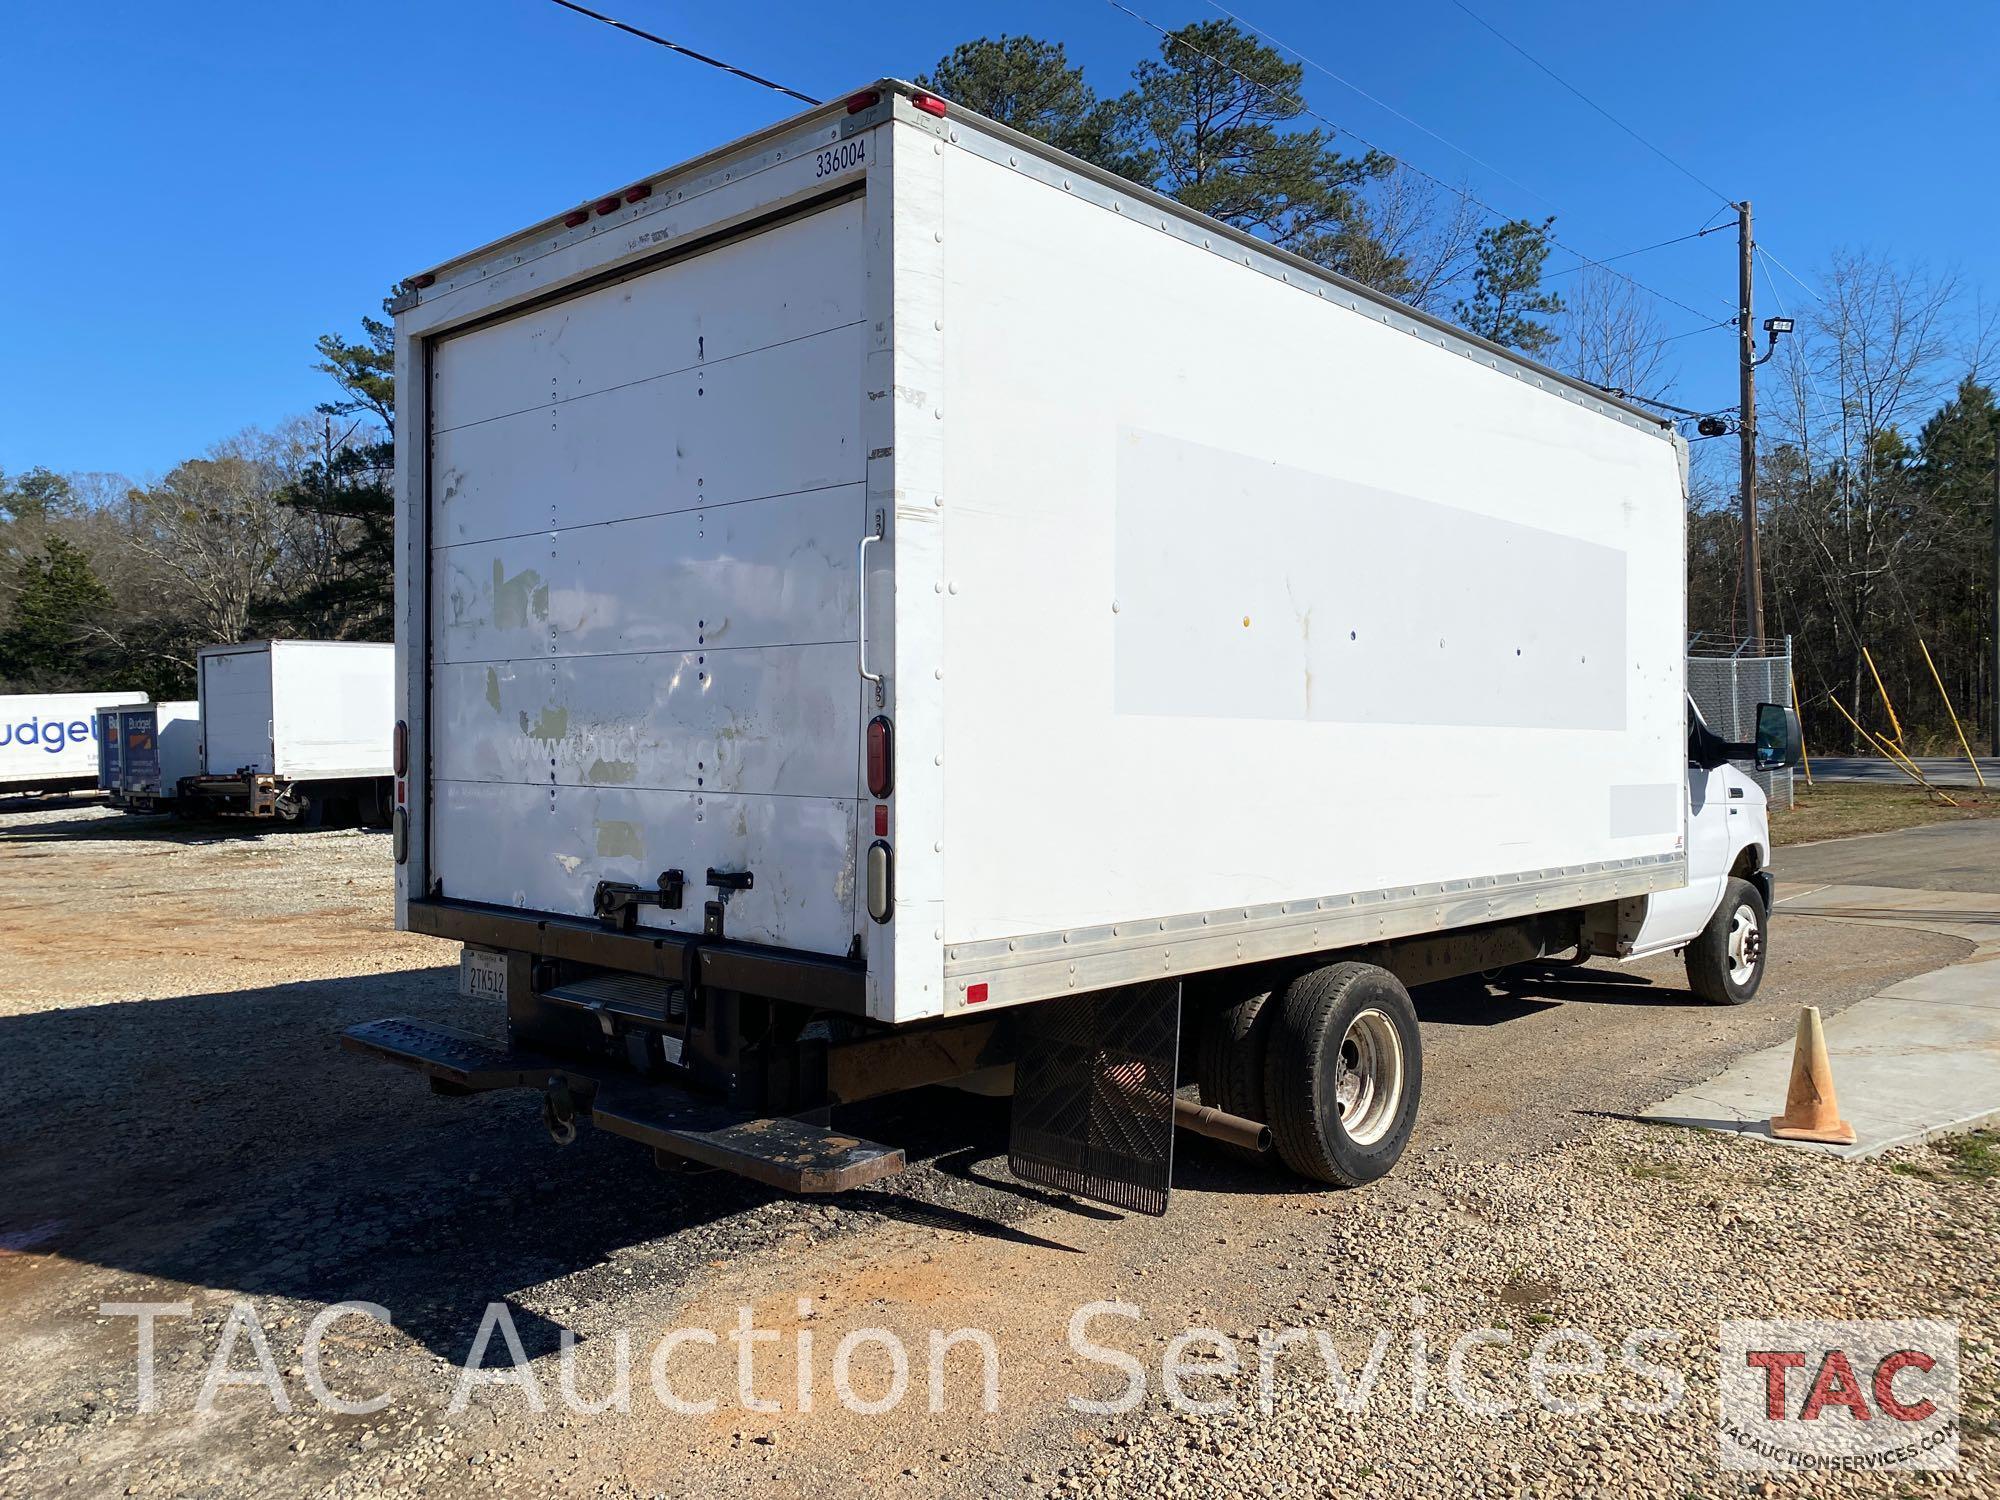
<point x="1779" y="739"/>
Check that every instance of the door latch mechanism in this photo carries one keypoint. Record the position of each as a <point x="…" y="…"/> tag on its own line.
<point x="724" y="881"/>
<point x="617" y="902"/>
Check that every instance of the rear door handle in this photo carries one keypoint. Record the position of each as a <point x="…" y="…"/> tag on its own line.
<point x="861" y="589"/>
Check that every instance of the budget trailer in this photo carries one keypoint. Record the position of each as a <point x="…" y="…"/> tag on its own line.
<point x="144" y="750"/>
<point x="48" y="741"/>
<point x="294" y="730"/>
<point x="887" y="603"/>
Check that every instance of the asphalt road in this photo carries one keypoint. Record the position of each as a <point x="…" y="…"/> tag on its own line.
<point x="1942" y="857"/>
<point x="1942" y="770"/>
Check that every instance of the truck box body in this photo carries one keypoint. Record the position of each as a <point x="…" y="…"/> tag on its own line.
<point x="144" y="750"/>
<point x="49" y="740"/>
<point x="1217" y="609"/>
<point x="301" y="710"/>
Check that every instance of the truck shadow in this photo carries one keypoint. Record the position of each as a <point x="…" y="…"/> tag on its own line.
<point x="164" y="828"/>
<point x="226" y="1141"/>
<point x="1532" y="988"/>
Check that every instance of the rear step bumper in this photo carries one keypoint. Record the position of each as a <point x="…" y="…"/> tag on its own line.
<point x="792" y="1155"/>
<point x="774" y="973"/>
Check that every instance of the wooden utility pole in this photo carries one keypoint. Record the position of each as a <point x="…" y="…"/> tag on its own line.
<point x="1746" y="356"/>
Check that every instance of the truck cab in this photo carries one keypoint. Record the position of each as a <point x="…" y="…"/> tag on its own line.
<point x="1719" y="919"/>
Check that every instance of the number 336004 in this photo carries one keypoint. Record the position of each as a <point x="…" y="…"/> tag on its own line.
<point x="847" y="154"/>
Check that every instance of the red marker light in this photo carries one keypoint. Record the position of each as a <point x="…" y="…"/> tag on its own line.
<point x="881" y="770"/>
<point x="637" y="191"/>
<point x="576" y="216"/>
<point x="866" y="99"/>
<point x="930" y="104"/>
<point x="420" y="282"/>
<point x="975" y="994"/>
<point x="608" y="205"/>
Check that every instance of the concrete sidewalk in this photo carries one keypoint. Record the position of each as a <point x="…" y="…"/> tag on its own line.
<point x="1920" y="1059"/>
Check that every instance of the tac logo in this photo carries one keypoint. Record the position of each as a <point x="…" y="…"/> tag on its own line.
<point x="1820" y="1395"/>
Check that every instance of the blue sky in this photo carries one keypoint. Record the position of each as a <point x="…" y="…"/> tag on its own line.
<point x="192" y="193"/>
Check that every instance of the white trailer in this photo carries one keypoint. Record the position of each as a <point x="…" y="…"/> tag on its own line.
<point x="294" y="730"/>
<point x="887" y="601"/>
<point x="144" y="750"/>
<point x="48" y="741"/>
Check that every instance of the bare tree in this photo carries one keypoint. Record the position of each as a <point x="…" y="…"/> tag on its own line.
<point x="1427" y="233"/>
<point x="1610" y="334"/>
<point x="217" y="528"/>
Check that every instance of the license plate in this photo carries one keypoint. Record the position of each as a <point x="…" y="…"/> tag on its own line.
<point x="482" y="975"/>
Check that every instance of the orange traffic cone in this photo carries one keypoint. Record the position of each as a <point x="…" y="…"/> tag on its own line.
<point x="1811" y="1111"/>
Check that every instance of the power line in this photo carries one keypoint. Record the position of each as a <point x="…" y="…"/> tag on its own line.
<point x="1705" y="328"/>
<point x="1791" y="273"/>
<point x="700" y="57"/>
<point x="1663" y="156"/>
<point x="1380" y="103"/>
<point x="1466" y="194"/>
<point x="1628" y="254"/>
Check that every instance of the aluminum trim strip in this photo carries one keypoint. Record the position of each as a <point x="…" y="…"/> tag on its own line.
<point x="1039" y="965"/>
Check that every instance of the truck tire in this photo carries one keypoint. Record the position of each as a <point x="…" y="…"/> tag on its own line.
<point x="1343" y="1070"/>
<point x="1725" y="962"/>
<point x="1229" y="1062"/>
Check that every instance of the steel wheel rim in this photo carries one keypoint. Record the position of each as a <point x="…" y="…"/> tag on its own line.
<point x="1746" y="945"/>
<point x="1368" y="1077"/>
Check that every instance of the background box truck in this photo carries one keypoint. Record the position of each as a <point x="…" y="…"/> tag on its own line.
<point x="144" y="750"/>
<point x="48" y="741"/>
<point x="294" y="730"/>
<point x="887" y="603"/>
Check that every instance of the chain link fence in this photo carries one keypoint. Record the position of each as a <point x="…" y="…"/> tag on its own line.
<point x="1728" y="678"/>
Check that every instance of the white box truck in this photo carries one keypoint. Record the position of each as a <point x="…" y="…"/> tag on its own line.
<point x="887" y="604"/>
<point x="48" y="741"/>
<point x="294" y="730"/>
<point x="144" y="750"/>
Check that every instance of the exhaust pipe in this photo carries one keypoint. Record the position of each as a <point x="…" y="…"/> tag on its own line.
<point x="1232" y="1130"/>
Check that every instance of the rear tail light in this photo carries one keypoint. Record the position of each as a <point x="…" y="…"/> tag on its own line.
<point x="399" y="748"/>
<point x="881" y="881"/>
<point x="880" y="769"/>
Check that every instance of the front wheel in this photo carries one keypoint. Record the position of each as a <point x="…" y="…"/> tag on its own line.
<point x="1342" y="1073"/>
<point x="1725" y="962"/>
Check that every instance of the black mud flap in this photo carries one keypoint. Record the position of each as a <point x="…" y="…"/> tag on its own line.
<point x="1094" y="1095"/>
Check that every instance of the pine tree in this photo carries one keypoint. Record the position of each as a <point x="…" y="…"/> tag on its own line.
<point x="58" y="605"/>
<point x="1506" y="287"/>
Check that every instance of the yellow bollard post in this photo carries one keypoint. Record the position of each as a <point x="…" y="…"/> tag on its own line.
<point x="1970" y="759"/>
<point x="1894" y="756"/>
<point x="1807" y="759"/>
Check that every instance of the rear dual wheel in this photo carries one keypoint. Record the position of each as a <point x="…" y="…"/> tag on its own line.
<point x="1333" y="1063"/>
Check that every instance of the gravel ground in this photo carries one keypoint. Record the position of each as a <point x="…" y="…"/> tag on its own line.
<point x="188" y="1132"/>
